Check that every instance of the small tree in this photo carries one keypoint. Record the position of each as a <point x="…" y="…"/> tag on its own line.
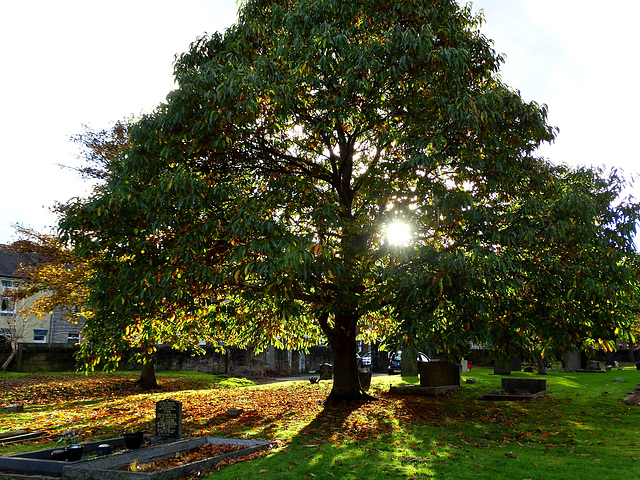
<point x="13" y="334"/>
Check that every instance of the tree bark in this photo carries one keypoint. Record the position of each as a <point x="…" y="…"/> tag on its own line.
<point x="14" y="352"/>
<point x="147" y="378"/>
<point x="346" y="381"/>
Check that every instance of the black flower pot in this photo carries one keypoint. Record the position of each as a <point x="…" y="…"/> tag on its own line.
<point x="133" y="440"/>
<point x="104" y="449"/>
<point x="59" y="454"/>
<point x="74" y="452"/>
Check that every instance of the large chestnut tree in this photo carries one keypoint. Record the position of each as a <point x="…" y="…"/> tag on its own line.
<point x="251" y="207"/>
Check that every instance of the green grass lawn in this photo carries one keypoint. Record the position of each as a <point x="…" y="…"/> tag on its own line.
<point x="579" y="430"/>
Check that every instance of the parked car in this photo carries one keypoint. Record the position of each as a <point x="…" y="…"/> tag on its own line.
<point x="364" y="359"/>
<point x="395" y="361"/>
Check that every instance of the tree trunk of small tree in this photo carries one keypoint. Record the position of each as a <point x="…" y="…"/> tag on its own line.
<point x="12" y="355"/>
<point x="148" y="379"/>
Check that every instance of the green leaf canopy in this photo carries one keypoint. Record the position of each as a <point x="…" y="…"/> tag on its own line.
<point x="251" y="206"/>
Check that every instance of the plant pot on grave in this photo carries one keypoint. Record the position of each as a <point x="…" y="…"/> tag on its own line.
<point x="133" y="440"/>
<point x="59" y="455"/>
<point x="74" y="452"/>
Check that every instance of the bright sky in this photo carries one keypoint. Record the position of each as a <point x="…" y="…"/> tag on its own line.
<point x="72" y="63"/>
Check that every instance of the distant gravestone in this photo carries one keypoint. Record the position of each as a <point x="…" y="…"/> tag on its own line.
<point x="169" y="419"/>
<point x="502" y="367"/>
<point x="439" y="374"/>
<point x="572" y="361"/>
<point x="610" y="358"/>
<point x="326" y="371"/>
<point x="516" y="364"/>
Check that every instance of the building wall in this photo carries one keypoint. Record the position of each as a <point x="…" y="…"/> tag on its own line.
<point x="63" y="330"/>
<point x="55" y="327"/>
<point x="28" y="326"/>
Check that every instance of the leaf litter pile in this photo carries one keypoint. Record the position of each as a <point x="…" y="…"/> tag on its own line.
<point x="293" y="416"/>
<point x="202" y="452"/>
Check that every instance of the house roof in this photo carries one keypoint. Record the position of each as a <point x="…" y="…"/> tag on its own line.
<point x="10" y="260"/>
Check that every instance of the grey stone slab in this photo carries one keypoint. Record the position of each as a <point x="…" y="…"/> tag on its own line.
<point x="418" y="390"/>
<point x="109" y="467"/>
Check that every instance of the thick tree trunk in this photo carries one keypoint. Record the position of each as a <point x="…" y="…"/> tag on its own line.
<point x="147" y="379"/>
<point x="346" y="381"/>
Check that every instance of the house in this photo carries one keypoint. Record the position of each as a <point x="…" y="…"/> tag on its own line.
<point x="52" y="328"/>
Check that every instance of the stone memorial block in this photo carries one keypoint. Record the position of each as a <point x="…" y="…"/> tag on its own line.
<point x="523" y="385"/>
<point x="572" y="362"/>
<point x="326" y="370"/>
<point x="502" y="367"/>
<point x="610" y="358"/>
<point x="516" y="364"/>
<point x="169" y="419"/>
<point x="439" y="374"/>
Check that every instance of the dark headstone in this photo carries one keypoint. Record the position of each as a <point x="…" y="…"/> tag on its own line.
<point x="609" y="358"/>
<point x="523" y="385"/>
<point x="326" y="371"/>
<point x="516" y="364"/>
<point x="572" y="361"/>
<point x="169" y="419"/>
<point x="439" y="374"/>
<point x="502" y="367"/>
<point x="17" y="408"/>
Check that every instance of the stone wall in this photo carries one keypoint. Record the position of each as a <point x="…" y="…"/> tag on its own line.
<point x="41" y="357"/>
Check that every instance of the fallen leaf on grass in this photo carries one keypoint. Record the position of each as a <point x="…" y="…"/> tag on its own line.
<point x="511" y="455"/>
<point x="263" y="471"/>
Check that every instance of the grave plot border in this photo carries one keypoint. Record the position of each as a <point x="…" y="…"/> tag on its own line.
<point x="108" y="467"/>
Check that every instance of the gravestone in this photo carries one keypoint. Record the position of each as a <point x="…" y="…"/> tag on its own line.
<point x="609" y="358"/>
<point x="439" y="374"/>
<point x="169" y="419"/>
<point x="572" y="362"/>
<point x="516" y="364"/>
<point x="326" y="371"/>
<point x="502" y="367"/>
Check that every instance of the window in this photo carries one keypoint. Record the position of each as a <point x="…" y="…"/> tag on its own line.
<point x="39" y="336"/>
<point x="7" y="304"/>
<point x="5" y="335"/>
<point x="73" y="338"/>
